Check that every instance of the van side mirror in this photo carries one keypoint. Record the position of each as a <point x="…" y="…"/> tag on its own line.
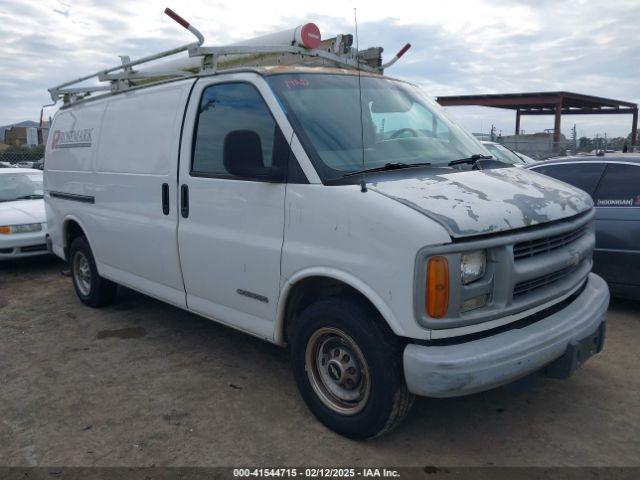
<point x="242" y="157"/>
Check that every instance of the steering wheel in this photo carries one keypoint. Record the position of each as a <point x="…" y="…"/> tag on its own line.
<point x="412" y="131"/>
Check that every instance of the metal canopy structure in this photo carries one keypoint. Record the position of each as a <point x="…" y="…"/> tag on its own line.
<point x="550" y="103"/>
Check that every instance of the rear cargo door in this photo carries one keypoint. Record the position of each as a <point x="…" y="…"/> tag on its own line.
<point x="230" y="227"/>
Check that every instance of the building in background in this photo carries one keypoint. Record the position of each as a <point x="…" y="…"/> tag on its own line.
<point x="536" y="145"/>
<point x="15" y="136"/>
<point x="32" y="136"/>
<point x="23" y="142"/>
<point x="25" y="136"/>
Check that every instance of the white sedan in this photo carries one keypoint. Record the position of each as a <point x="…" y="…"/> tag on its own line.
<point x="23" y="226"/>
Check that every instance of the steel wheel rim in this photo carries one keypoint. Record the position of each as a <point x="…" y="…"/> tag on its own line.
<point x="337" y="371"/>
<point x="82" y="273"/>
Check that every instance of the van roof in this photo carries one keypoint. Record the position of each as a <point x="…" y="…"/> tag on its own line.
<point x="264" y="71"/>
<point x="277" y="69"/>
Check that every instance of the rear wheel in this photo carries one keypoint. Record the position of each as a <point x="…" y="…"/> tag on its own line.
<point x="348" y="368"/>
<point x="91" y="288"/>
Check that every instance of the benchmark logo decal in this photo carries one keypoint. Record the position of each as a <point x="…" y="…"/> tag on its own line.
<point x="71" y="138"/>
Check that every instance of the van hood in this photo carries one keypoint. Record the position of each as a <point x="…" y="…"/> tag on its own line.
<point x="22" y="211"/>
<point x="478" y="202"/>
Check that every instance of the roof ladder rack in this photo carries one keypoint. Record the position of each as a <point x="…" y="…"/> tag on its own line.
<point x="299" y="46"/>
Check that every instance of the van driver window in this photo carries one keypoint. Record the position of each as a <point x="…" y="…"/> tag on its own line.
<point x="223" y="109"/>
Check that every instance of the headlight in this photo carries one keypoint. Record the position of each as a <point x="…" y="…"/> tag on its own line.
<point x="472" y="266"/>
<point x="25" y="228"/>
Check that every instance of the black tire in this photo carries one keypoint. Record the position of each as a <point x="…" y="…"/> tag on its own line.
<point x="100" y="292"/>
<point x="388" y="400"/>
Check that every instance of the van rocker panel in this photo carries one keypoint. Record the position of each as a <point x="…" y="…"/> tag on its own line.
<point x="478" y="365"/>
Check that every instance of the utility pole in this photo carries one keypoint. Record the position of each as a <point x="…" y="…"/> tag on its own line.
<point x="574" y="138"/>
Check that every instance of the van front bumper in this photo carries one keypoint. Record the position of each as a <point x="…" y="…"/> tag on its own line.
<point x="561" y="341"/>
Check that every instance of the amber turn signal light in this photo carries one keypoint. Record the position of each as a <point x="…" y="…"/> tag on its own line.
<point x="437" y="291"/>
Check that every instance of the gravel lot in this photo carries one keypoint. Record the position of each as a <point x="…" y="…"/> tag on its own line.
<point x="142" y="383"/>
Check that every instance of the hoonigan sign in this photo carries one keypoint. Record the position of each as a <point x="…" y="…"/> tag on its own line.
<point x="71" y="138"/>
<point x="618" y="202"/>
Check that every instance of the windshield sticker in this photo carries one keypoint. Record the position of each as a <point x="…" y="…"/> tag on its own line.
<point x="296" y="83"/>
<point x="71" y="138"/>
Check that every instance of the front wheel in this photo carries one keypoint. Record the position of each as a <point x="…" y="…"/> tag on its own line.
<point x="348" y="368"/>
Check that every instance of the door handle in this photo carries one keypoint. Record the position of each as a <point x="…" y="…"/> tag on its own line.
<point x="165" y="198"/>
<point x="184" y="201"/>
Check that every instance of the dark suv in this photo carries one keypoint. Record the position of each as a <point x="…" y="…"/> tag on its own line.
<point x="614" y="184"/>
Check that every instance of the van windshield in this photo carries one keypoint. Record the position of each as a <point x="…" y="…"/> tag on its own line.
<point x="401" y="125"/>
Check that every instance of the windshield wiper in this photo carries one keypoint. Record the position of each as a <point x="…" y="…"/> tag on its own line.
<point x="472" y="159"/>
<point x="29" y="197"/>
<point x="388" y="166"/>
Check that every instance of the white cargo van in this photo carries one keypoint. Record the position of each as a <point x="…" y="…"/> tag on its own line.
<point x="336" y="211"/>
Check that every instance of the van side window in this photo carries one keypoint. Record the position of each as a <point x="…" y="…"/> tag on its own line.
<point x="584" y="176"/>
<point x="223" y="109"/>
<point x="620" y="186"/>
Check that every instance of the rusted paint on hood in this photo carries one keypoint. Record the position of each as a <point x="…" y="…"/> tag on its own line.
<point x="478" y="202"/>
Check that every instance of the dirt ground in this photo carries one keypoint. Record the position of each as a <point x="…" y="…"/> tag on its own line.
<point x="142" y="383"/>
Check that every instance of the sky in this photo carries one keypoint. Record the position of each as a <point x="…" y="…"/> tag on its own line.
<point x="459" y="47"/>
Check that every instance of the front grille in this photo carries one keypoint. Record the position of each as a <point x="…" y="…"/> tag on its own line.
<point x="543" y="281"/>
<point x="6" y="251"/>
<point x="531" y="248"/>
<point x="522" y="323"/>
<point x="34" y="248"/>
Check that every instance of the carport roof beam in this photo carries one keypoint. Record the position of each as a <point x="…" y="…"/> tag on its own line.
<point x="550" y="103"/>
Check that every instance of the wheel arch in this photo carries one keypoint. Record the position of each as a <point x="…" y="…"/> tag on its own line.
<point x="72" y="227"/>
<point x="302" y="288"/>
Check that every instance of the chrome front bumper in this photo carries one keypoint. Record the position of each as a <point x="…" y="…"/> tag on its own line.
<point x="478" y="365"/>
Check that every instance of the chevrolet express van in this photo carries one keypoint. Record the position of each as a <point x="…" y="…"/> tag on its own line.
<point x="335" y="211"/>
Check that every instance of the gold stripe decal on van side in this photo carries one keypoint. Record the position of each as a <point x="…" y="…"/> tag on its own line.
<point x="255" y="296"/>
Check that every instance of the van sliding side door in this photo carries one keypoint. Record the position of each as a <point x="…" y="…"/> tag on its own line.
<point x="231" y="221"/>
<point x="134" y="219"/>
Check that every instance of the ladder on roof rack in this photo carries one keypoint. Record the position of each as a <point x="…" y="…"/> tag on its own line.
<point x="299" y="46"/>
